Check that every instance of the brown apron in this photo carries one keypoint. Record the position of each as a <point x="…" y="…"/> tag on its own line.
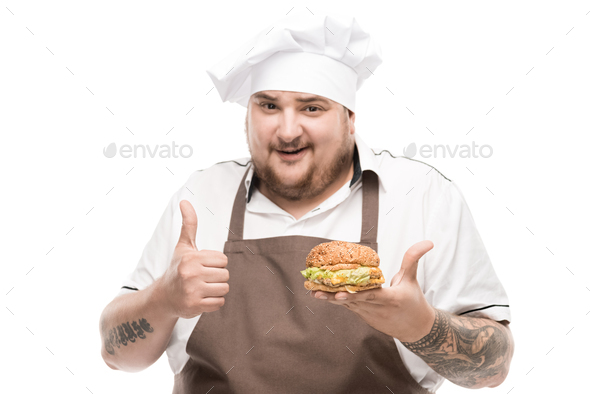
<point x="271" y="336"/>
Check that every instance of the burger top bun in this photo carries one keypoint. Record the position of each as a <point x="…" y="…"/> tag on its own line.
<point x="341" y="252"/>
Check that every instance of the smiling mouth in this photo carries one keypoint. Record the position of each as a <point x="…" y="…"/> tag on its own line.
<point x="292" y="155"/>
<point x="292" y="152"/>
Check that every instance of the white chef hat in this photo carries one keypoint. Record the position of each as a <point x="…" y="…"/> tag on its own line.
<point x="327" y="55"/>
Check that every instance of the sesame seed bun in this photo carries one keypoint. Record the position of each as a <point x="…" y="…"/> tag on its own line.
<point x="341" y="252"/>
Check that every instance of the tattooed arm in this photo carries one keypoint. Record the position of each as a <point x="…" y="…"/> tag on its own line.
<point x="135" y="329"/>
<point x="470" y="352"/>
<point x="195" y="282"/>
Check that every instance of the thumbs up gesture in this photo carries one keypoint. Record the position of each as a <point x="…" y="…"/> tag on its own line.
<point x="400" y="310"/>
<point x="196" y="280"/>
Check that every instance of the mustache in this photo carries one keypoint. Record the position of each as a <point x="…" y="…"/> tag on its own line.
<point x="294" y="145"/>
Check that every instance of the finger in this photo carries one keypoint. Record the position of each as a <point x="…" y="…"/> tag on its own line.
<point x="373" y="296"/>
<point x="215" y="289"/>
<point x="365" y="305"/>
<point x="210" y="304"/>
<point x="319" y="294"/>
<point x="188" y="231"/>
<point x="409" y="267"/>
<point x="212" y="258"/>
<point x="214" y="275"/>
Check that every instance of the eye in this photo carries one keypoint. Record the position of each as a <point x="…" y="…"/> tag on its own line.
<point x="317" y="108"/>
<point x="265" y="104"/>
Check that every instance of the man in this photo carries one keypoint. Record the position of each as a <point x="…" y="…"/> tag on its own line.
<point x="221" y="291"/>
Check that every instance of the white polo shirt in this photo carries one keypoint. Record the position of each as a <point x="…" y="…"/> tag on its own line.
<point x="416" y="202"/>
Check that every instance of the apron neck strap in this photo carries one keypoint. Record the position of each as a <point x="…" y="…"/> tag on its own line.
<point x="370" y="209"/>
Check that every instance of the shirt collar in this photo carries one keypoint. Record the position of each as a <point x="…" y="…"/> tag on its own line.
<point x="369" y="160"/>
<point x="364" y="159"/>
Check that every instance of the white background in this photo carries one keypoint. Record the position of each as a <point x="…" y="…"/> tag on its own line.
<point x="77" y="76"/>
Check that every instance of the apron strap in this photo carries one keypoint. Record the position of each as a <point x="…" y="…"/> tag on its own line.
<point x="236" y="225"/>
<point x="370" y="209"/>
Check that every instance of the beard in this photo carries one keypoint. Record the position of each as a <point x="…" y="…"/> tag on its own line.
<point x="314" y="181"/>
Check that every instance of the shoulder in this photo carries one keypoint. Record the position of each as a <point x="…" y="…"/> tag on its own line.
<point x="401" y="170"/>
<point x="218" y="182"/>
<point x="220" y="174"/>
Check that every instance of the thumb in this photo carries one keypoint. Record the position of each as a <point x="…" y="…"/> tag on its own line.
<point x="188" y="231"/>
<point x="409" y="268"/>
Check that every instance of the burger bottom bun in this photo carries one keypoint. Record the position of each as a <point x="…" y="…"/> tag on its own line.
<point x="330" y="289"/>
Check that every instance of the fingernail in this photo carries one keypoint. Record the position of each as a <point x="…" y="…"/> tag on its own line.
<point x="343" y="298"/>
<point x="323" y="298"/>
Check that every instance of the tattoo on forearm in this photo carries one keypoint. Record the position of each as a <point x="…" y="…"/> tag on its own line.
<point x="464" y="350"/>
<point x="125" y="333"/>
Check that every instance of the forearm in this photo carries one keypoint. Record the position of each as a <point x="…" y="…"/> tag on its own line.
<point x="470" y="352"/>
<point x="135" y="329"/>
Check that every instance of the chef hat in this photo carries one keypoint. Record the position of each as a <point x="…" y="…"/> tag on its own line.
<point x="327" y="55"/>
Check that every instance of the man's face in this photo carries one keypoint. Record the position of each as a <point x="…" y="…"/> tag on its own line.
<point x="278" y="122"/>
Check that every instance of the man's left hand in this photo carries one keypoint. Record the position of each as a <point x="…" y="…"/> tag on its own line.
<point x="400" y="310"/>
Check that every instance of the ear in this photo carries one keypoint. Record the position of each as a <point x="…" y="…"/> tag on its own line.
<point x="351" y="117"/>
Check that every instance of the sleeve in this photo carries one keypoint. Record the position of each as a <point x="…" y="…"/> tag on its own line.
<point x="157" y="253"/>
<point x="459" y="276"/>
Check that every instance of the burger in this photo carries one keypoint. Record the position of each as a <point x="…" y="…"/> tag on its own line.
<point x="342" y="266"/>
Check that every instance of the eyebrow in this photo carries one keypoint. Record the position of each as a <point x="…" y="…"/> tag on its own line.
<point x="301" y="100"/>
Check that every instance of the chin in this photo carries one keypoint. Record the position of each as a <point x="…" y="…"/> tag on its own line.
<point x="290" y="178"/>
<point x="290" y="170"/>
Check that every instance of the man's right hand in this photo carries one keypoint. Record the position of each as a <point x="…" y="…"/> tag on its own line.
<point x="196" y="281"/>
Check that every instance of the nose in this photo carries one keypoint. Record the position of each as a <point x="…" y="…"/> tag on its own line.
<point x="289" y="126"/>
